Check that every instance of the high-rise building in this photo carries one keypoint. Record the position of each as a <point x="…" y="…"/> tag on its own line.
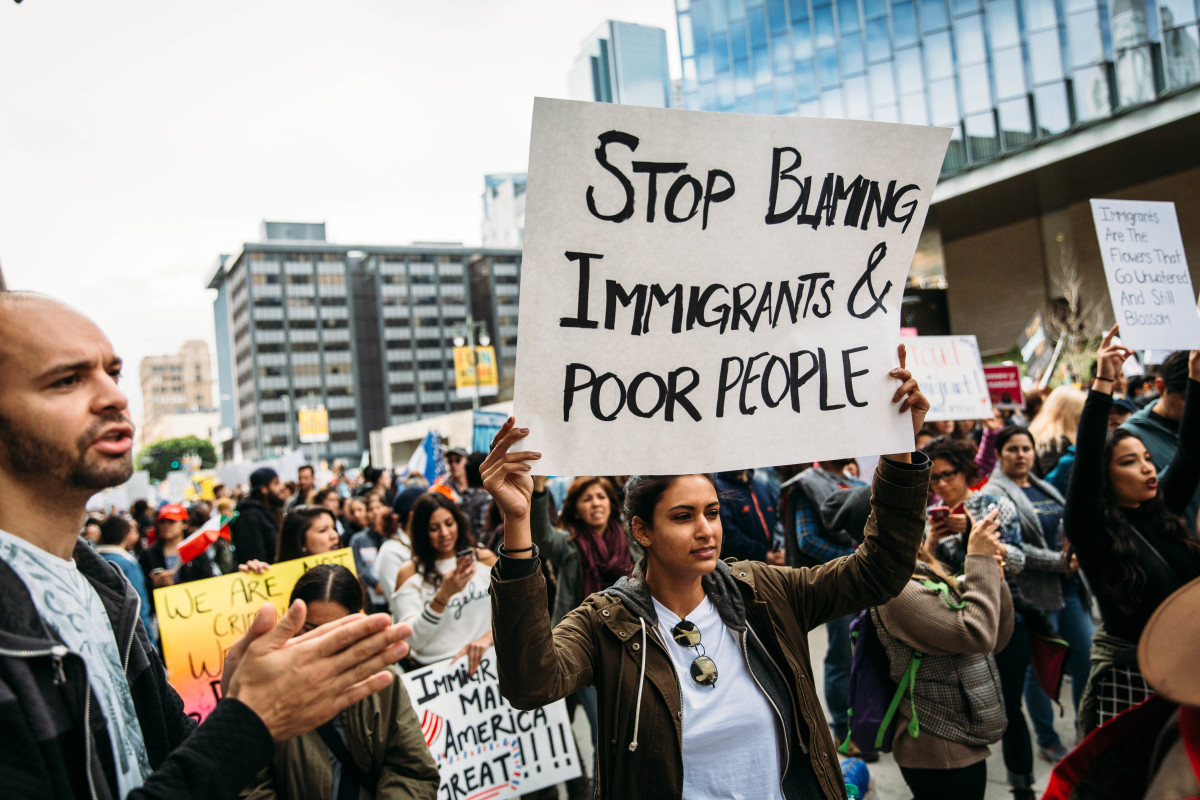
<point x="504" y="210"/>
<point x="175" y="384"/>
<point x="1051" y="102"/>
<point x="364" y="331"/>
<point x="623" y="63"/>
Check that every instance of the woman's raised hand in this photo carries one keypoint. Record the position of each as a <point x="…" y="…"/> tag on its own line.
<point x="506" y="475"/>
<point x="1109" y="358"/>
<point x="908" y="394"/>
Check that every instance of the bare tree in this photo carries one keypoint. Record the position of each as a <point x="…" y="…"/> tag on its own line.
<point x="1076" y="315"/>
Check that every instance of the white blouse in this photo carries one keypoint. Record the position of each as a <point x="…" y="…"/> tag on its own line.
<point x="467" y="617"/>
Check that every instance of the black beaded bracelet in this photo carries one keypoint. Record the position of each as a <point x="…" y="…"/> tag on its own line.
<point x="517" y="549"/>
<point x="1110" y="380"/>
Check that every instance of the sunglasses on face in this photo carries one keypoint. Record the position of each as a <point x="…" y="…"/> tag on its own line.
<point x="704" y="669"/>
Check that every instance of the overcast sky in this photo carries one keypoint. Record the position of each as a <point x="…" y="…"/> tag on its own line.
<point x="140" y="138"/>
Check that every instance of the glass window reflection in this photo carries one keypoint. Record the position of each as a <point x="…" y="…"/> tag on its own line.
<point x="802" y="44"/>
<point x="781" y="55"/>
<point x="976" y="91"/>
<point x="1083" y="38"/>
<point x="854" y="93"/>
<point x="943" y="102"/>
<point x="737" y="40"/>
<point x="1093" y="96"/>
<point x="1008" y="67"/>
<point x="718" y="22"/>
<point x="982" y="142"/>
<point x="685" y="35"/>
<point x="757" y="23"/>
<point x="785" y="96"/>
<point x="1176" y="12"/>
<point x="1003" y="30"/>
<point x="1050" y="105"/>
<point x="852" y="54"/>
<point x="799" y="11"/>
<point x="968" y="39"/>
<point x="742" y="81"/>
<point x="912" y="109"/>
<point x="832" y="106"/>
<point x="874" y="8"/>
<point x="883" y="84"/>
<point x="806" y="80"/>
<point x="939" y="61"/>
<point x="1181" y="56"/>
<point x="886" y="114"/>
<point x="720" y="53"/>
<point x="1016" y="123"/>
<point x="827" y="68"/>
<point x="823" y="19"/>
<point x="879" y="48"/>
<point x="725" y="93"/>
<point x="904" y="24"/>
<point x="764" y="100"/>
<point x="1041" y="14"/>
<point x="777" y="16"/>
<point x="762" y="67"/>
<point x="933" y="15"/>
<point x="909" y="72"/>
<point x="847" y="15"/>
<point x="1045" y="57"/>
<point x="964" y="7"/>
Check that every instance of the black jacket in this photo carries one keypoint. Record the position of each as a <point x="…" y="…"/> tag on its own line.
<point x="45" y="703"/>
<point x="255" y="530"/>
<point x="152" y="558"/>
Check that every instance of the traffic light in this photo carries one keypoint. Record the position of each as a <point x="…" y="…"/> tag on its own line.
<point x="174" y="465"/>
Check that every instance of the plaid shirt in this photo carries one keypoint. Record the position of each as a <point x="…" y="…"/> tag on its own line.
<point x="809" y="530"/>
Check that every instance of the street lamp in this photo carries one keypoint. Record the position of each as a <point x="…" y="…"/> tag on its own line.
<point x="467" y="334"/>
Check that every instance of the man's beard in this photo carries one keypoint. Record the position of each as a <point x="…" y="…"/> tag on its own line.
<point x="31" y="455"/>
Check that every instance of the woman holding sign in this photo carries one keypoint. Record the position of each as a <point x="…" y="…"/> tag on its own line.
<point x="1132" y="544"/>
<point x="694" y="659"/>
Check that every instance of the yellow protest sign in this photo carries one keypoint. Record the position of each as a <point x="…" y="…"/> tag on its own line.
<point x="468" y="361"/>
<point x="314" y="425"/>
<point x="200" y="621"/>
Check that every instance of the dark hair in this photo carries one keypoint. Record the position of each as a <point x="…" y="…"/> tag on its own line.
<point x="570" y="515"/>
<point x="113" y="530"/>
<point x="837" y="463"/>
<point x="474" y="476"/>
<point x="959" y="452"/>
<point x="642" y="495"/>
<point x="1008" y="432"/>
<point x="330" y="583"/>
<point x="418" y="530"/>
<point x="91" y="522"/>
<point x="139" y="507"/>
<point x="1174" y="372"/>
<point x="321" y="495"/>
<point x="308" y="467"/>
<point x="295" y="528"/>
<point x="1124" y="577"/>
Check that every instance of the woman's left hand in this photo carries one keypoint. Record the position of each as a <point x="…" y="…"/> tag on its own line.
<point x="474" y="652"/>
<point x="255" y="566"/>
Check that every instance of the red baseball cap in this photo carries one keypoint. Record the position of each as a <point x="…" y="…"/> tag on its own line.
<point x="173" y="511"/>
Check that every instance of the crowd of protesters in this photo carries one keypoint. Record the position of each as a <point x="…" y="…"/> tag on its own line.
<point x="983" y="555"/>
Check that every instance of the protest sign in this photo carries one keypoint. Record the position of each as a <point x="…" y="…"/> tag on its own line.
<point x="1004" y="385"/>
<point x="720" y="280"/>
<point x="951" y="375"/>
<point x="199" y="621"/>
<point x="484" y="748"/>
<point x="1147" y="272"/>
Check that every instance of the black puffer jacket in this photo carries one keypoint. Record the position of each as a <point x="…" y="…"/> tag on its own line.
<point x="46" y="709"/>
<point x="255" y="531"/>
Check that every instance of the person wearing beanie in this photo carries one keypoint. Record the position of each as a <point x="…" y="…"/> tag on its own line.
<point x="260" y="515"/>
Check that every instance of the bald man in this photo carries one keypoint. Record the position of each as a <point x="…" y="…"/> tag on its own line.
<point x="85" y="707"/>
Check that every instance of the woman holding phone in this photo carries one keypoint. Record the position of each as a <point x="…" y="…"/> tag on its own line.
<point x="701" y="667"/>
<point x="443" y="591"/>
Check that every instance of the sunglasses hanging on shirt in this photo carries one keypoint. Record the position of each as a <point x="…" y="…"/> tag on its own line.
<point x="704" y="669"/>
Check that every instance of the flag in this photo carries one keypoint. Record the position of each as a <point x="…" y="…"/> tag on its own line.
<point x="216" y="528"/>
<point x="427" y="458"/>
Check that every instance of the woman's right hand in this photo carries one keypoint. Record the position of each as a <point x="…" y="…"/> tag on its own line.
<point x="506" y="475"/>
<point x="985" y="537"/>
<point x="458" y="579"/>
<point x="1109" y="358"/>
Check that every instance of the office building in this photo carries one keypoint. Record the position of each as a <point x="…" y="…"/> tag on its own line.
<point x="623" y="63"/>
<point x="364" y="331"/>
<point x="174" y="384"/>
<point x="1051" y="102"/>
<point x="504" y="210"/>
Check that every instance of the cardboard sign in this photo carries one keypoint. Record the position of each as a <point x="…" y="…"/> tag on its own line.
<point x="469" y="359"/>
<point x="1147" y="272"/>
<point x="704" y="291"/>
<point x="200" y="621"/>
<point x="1004" y="385"/>
<point x="484" y="748"/>
<point x="951" y="376"/>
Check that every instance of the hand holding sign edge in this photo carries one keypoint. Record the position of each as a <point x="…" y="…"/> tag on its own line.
<point x="911" y="400"/>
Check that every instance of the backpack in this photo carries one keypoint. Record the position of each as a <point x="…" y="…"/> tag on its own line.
<point x="873" y="695"/>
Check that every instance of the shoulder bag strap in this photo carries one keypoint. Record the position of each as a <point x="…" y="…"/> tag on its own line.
<point x="353" y="778"/>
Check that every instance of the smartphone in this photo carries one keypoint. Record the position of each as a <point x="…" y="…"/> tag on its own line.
<point x="938" y="513"/>
<point x="466" y="552"/>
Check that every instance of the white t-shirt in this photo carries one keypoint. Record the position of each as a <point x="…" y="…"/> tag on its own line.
<point x="731" y="722"/>
<point x="467" y="617"/>
<point x="392" y="555"/>
<point x="69" y="605"/>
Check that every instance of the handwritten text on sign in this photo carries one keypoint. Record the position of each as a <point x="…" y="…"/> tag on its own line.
<point x="720" y="280"/>
<point x="1147" y="273"/>
<point x="951" y="376"/>
<point x="484" y="748"/>
<point x="200" y="621"/>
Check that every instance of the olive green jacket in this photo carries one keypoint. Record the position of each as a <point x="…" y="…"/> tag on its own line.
<point x="613" y="634"/>
<point x="382" y="734"/>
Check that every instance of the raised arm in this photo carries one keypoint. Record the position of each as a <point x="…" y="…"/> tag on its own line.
<point x="1178" y="481"/>
<point x="1082" y="521"/>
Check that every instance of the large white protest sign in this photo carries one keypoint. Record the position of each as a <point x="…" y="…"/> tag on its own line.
<point x="705" y="291"/>
<point x="484" y="748"/>
<point x="1147" y="272"/>
<point x="950" y="372"/>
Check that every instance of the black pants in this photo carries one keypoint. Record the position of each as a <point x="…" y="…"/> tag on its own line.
<point x="1011" y="663"/>
<point x="964" y="783"/>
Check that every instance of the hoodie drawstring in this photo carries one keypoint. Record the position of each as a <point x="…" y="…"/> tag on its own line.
<point x="637" y="714"/>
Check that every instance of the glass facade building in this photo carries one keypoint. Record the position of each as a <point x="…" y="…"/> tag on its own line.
<point x="623" y="63"/>
<point x="1003" y="74"/>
